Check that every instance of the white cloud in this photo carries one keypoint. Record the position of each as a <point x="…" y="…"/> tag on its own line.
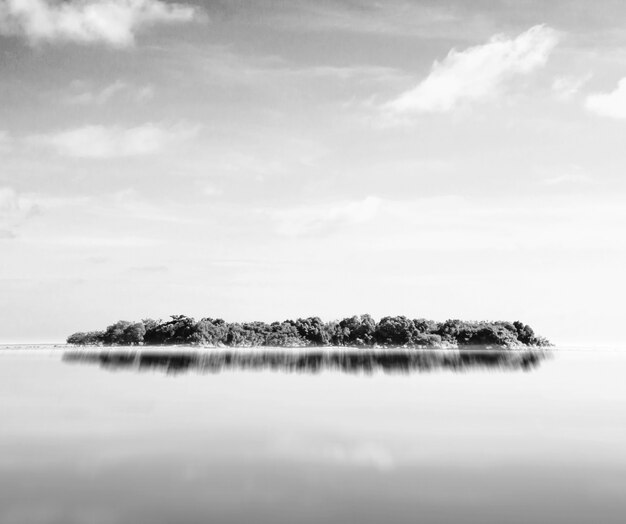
<point x="82" y="94"/>
<point x="113" y="22"/>
<point x="111" y="142"/>
<point x="221" y="64"/>
<point x="130" y="205"/>
<point x="360" y="454"/>
<point x="211" y="191"/>
<point x="612" y="105"/>
<point x="566" y="179"/>
<point x="570" y="175"/>
<point x="323" y="218"/>
<point x="477" y="73"/>
<point x="549" y="222"/>
<point x="14" y="209"/>
<point x="12" y="204"/>
<point x="101" y="96"/>
<point x="92" y="241"/>
<point x="5" y="141"/>
<point x="566" y="87"/>
<point x="365" y="454"/>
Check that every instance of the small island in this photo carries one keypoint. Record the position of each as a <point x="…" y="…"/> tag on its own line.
<point x="356" y="331"/>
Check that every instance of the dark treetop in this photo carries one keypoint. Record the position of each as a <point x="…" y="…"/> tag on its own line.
<point x="356" y="331"/>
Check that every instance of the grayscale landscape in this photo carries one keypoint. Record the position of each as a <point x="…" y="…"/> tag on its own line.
<point x="312" y="261"/>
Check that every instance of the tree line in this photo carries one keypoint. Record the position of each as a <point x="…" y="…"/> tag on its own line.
<point x="355" y="331"/>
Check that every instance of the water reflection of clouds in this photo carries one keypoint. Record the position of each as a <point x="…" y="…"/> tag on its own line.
<point x="354" y="361"/>
<point x="360" y="454"/>
<point x="343" y="450"/>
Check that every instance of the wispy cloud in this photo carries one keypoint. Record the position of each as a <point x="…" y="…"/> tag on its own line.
<point x="112" y="22"/>
<point x="612" y="105"/>
<point x="14" y="209"/>
<point x="356" y="453"/>
<point x="569" y="175"/>
<point x="130" y="205"/>
<point x="361" y="454"/>
<point x="317" y="219"/>
<point x="567" y="87"/>
<point x="219" y="64"/>
<point x="147" y="270"/>
<point x="552" y="222"/>
<point x="565" y="179"/>
<point x="477" y="73"/>
<point x="5" y="142"/>
<point x="81" y="94"/>
<point x="100" y="142"/>
<point x="391" y="17"/>
<point x="93" y="241"/>
<point x="211" y="190"/>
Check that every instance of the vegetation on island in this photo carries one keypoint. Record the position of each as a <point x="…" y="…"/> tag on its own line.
<point x="356" y="331"/>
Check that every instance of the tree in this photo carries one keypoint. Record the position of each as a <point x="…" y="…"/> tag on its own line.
<point x="428" y="340"/>
<point x="525" y="333"/>
<point x="449" y="330"/>
<point x="134" y="333"/>
<point x="91" y="338"/>
<point x="358" y="330"/>
<point x="124" y="333"/>
<point x="395" y="331"/>
<point x="423" y="325"/>
<point x="313" y="331"/>
<point x="179" y="330"/>
<point x="210" y="331"/>
<point x="284" y="334"/>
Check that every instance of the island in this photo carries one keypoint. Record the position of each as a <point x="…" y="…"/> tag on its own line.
<point x="356" y="331"/>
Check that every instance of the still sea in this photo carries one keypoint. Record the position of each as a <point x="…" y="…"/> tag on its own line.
<point x="95" y="438"/>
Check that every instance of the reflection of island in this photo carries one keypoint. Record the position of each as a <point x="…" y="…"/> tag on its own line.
<point x="389" y="361"/>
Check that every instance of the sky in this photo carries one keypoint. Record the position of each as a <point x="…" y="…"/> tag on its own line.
<point x="264" y="160"/>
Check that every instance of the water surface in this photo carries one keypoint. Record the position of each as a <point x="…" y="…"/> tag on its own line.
<point x="86" y="441"/>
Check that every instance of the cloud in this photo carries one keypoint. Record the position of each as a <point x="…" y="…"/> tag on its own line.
<point x="148" y="269"/>
<point x="477" y="73"/>
<point x="318" y="219"/>
<point x="359" y="454"/>
<point x="14" y="205"/>
<point x="541" y="222"/>
<point x="566" y="87"/>
<point x="612" y="105"/>
<point x="93" y="241"/>
<point x="391" y="17"/>
<point x="112" y="22"/>
<point x="113" y="142"/>
<point x="572" y="175"/>
<point x="572" y="178"/>
<point x="5" y="141"/>
<point x="364" y="454"/>
<point x="221" y="64"/>
<point x="211" y="191"/>
<point x="14" y="209"/>
<point x="83" y="95"/>
<point x="131" y="205"/>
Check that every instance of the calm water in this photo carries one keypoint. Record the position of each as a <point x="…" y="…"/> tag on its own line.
<point x="132" y="440"/>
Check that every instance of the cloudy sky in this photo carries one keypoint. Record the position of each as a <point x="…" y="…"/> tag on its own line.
<point x="270" y="159"/>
